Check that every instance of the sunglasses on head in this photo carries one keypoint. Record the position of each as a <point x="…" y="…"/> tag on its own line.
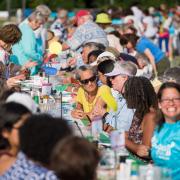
<point x="86" y="81"/>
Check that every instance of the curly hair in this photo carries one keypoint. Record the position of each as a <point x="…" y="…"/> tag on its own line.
<point x="164" y="86"/>
<point x="140" y="95"/>
<point x="10" y="34"/>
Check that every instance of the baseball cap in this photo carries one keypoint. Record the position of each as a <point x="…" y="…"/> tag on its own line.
<point x="23" y="99"/>
<point x="119" y="70"/>
<point x="82" y="12"/>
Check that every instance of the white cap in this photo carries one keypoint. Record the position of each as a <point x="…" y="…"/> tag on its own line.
<point x="25" y="100"/>
<point x="100" y="57"/>
<point x="118" y="70"/>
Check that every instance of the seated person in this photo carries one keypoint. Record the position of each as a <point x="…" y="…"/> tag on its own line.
<point x="140" y="95"/>
<point x="90" y="95"/>
<point x="102" y="57"/>
<point x="92" y="56"/>
<point x="172" y="75"/>
<point x="104" y="67"/>
<point x="14" y="164"/>
<point x="144" y="67"/>
<point x="75" y="158"/>
<point x="38" y="136"/>
<point x="116" y="74"/>
<point x="165" y="149"/>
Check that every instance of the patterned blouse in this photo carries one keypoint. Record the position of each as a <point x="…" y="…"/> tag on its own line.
<point x="135" y="131"/>
<point x="24" y="169"/>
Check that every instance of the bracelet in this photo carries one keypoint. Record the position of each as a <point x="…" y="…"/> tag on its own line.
<point x="89" y="119"/>
<point x="72" y="90"/>
<point x="104" y="117"/>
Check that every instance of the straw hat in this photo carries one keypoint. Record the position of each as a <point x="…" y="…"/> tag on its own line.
<point x="103" y="18"/>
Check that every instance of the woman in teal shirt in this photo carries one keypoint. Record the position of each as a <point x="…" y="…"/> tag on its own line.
<point x="25" y="50"/>
<point x="165" y="150"/>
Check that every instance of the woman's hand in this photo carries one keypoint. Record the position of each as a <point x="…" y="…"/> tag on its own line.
<point x="72" y="62"/>
<point x="78" y="114"/>
<point x="98" y="110"/>
<point x="30" y="64"/>
<point x="142" y="150"/>
<point x="108" y="128"/>
<point x="12" y="82"/>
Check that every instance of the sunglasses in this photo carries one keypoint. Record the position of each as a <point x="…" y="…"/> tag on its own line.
<point x="112" y="77"/>
<point x="86" y="81"/>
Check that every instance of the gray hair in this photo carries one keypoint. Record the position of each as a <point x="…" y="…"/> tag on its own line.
<point x="85" y="68"/>
<point x="94" y="46"/>
<point x="129" y="67"/>
<point x="43" y="9"/>
<point x="172" y="74"/>
<point x="142" y="57"/>
<point x="36" y="15"/>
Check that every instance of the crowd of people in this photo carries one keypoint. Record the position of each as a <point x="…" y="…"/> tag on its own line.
<point x="114" y="56"/>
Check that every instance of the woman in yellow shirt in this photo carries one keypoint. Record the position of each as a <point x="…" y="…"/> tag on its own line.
<point x="90" y="96"/>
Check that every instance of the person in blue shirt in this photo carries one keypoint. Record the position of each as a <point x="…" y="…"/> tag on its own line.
<point x="25" y="50"/>
<point x="145" y="46"/>
<point x="165" y="149"/>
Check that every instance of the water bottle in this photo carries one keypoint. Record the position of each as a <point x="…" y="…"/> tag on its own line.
<point x="97" y="127"/>
<point x="134" y="171"/>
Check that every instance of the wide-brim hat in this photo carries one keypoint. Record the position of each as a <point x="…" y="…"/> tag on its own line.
<point x="103" y="18"/>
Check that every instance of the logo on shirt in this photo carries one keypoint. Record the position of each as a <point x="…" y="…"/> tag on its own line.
<point x="162" y="151"/>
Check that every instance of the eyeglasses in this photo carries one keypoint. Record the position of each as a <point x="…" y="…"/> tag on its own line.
<point x="86" y="81"/>
<point x="174" y="100"/>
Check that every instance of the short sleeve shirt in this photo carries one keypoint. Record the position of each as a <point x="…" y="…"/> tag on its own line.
<point x="87" y="32"/>
<point x="144" y="44"/>
<point x="165" y="150"/>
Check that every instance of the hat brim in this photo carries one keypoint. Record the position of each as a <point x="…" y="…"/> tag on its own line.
<point x="115" y="72"/>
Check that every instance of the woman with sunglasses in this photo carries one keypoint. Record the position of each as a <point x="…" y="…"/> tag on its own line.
<point x="165" y="149"/>
<point x="90" y="95"/>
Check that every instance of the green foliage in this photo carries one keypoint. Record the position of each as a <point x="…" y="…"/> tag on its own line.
<point x="54" y="4"/>
<point x="73" y="4"/>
